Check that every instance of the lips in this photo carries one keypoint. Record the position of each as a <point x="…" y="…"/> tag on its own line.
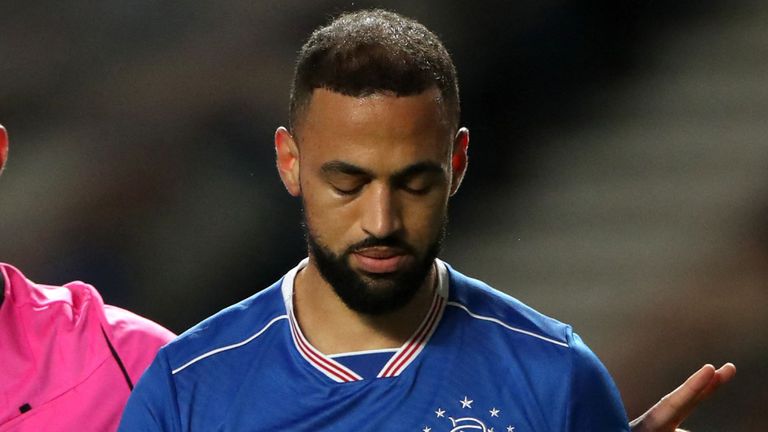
<point x="380" y="260"/>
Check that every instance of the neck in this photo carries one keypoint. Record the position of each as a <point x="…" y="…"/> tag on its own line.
<point x="334" y="328"/>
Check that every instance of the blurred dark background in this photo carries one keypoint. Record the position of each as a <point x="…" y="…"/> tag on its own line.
<point x="617" y="179"/>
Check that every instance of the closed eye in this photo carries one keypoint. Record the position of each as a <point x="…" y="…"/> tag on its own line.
<point x="419" y="178"/>
<point x="347" y="191"/>
<point x="419" y="184"/>
<point x="417" y="190"/>
<point x="344" y="178"/>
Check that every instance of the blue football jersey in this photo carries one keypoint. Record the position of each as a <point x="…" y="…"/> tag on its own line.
<point x="479" y="361"/>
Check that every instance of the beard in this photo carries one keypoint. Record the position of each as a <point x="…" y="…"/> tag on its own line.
<point x="374" y="294"/>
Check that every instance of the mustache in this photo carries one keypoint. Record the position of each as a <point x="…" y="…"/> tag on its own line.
<point x="391" y="241"/>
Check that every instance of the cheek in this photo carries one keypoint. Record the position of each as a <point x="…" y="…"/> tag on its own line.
<point x="425" y="221"/>
<point x="326" y="218"/>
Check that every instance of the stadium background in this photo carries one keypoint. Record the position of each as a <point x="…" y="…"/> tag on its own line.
<point x="618" y="176"/>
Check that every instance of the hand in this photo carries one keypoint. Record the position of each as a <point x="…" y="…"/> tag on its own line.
<point x="673" y="408"/>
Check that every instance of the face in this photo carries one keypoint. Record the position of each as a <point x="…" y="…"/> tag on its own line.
<point x="375" y="174"/>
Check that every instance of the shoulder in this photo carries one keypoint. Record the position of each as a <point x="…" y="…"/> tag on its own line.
<point x="82" y="306"/>
<point x="553" y="353"/>
<point x="231" y="327"/>
<point x="69" y="312"/>
<point x="134" y="338"/>
<point x="489" y="308"/>
<point x="74" y="302"/>
<point x="85" y="331"/>
<point x="126" y="325"/>
<point x="206" y="355"/>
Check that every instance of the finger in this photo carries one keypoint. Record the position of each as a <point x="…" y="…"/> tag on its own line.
<point x="726" y="372"/>
<point x="690" y="391"/>
<point x="673" y="408"/>
<point x="722" y="376"/>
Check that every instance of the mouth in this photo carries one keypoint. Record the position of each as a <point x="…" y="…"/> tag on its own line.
<point x="380" y="260"/>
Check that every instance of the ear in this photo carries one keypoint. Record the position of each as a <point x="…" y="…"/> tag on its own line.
<point x="287" y="154"/>
<point x="3" y="147"/>
<point x="459" y="159"/>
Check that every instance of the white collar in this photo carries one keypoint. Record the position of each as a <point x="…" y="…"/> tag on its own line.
<point x="403" y="357"/>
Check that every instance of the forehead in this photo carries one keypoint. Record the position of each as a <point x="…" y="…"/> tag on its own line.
<point x="380" y="128"/>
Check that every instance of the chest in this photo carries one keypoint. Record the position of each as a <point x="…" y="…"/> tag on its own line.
<point x="449" y="388"/>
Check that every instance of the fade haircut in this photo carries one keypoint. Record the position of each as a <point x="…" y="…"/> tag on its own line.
<point x="374" y="51"/>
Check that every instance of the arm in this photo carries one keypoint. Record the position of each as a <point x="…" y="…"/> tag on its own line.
<point x="673" y="408"/>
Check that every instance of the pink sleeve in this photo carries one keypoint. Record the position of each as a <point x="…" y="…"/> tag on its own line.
<point x="135" y="339"/>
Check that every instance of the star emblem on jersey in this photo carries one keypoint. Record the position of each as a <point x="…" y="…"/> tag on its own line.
<point x="460" y="416"/>
<point x="466" y="403"/>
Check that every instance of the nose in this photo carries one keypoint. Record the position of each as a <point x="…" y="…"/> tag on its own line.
<point x="381" y="213"/>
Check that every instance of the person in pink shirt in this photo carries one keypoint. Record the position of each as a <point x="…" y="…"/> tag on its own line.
<point x="68" y="362"/>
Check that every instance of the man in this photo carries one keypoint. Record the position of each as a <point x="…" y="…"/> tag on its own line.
<point x="67" y="361"/>
<point x="95" y="384"/>
<point x="372" y="331"/>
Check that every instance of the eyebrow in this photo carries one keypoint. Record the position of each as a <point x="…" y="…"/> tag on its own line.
<point x="426" y="167"/>
<point x="337" y="166"/>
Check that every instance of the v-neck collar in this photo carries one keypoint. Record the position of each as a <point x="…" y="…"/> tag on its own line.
<point x="399" y="361"/>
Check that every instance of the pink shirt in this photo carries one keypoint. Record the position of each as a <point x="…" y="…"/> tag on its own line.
<point x="67" y="360"/>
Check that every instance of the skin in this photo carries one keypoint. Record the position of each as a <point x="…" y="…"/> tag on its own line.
<point x="672" y="409"/>
<point x="3" y="147"/>
<point x="376" y="166"/>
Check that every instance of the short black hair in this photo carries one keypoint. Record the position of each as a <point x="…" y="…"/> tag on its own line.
<point x="371" y="51"/>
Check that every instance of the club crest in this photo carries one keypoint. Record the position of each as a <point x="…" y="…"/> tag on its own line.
<point x="467" y="423"/>
<point x="465" y="415"/>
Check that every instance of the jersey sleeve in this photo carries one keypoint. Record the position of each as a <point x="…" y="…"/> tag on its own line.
<point x="152" y="405"/>
<point x="594" y="402"/>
